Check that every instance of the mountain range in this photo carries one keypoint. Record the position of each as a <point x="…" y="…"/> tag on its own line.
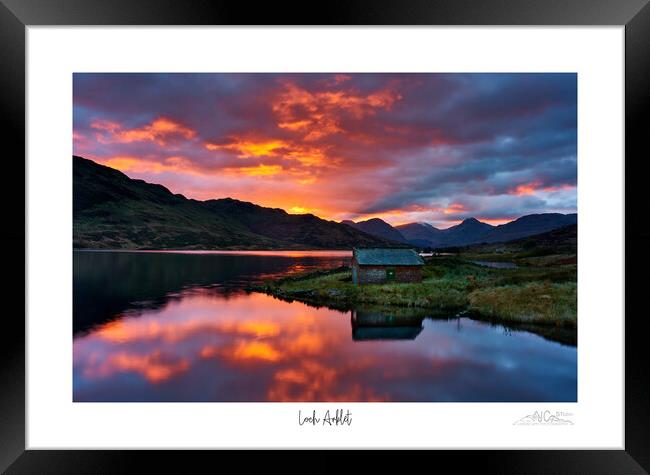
<point x="377" y="227"/>
<point x="470" y="231"/>
<point x="113" y="211"/>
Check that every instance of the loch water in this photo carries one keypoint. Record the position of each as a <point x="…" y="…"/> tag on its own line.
<point x="182" y="326"/>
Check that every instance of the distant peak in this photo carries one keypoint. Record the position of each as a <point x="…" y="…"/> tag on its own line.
<point x="474" y="223"/>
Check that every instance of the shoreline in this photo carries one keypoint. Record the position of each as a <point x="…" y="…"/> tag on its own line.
<point x="558" y="334"/>
<point x="451" y="288"/>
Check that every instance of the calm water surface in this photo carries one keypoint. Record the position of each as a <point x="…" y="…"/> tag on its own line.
<point x="181" y="327"/>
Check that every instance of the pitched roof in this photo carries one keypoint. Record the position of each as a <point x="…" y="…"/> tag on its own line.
<point x="387" y="257"/>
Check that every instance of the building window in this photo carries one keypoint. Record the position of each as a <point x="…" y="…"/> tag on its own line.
<point x="390" y="274"/>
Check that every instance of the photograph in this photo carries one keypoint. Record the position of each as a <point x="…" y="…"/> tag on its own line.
<point x="325" y="237"/>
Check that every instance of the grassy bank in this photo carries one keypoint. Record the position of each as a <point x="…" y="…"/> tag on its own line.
<point x="531" y="294"/>
<point x="536" y="302"/>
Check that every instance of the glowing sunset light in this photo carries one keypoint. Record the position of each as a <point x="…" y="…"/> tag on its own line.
<point x="536" y="186"/>
<point x="454" y="208"/>
<point x="299" y="210"/>
<point x="526" y="189"/>
<point x="255" y="350"/>
<point x="259" y="170"/>
<point x="135" y="165"/>
<point x="435" y="148"/>
<point x="248" y="148"/>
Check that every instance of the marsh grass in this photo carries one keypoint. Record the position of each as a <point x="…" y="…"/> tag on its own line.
<point x="536" y="302"/>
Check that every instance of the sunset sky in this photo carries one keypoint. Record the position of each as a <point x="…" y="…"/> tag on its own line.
<point x="436" y="148"/>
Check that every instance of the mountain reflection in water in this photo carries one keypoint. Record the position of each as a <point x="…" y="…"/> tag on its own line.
<point x="172" y="327"/>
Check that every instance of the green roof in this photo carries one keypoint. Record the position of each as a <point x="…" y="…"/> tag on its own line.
<point x="387" y="257"/>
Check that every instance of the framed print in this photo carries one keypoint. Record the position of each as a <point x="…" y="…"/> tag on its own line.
<point x="382" y="228"/>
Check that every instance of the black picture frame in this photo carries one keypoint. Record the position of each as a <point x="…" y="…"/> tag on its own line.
<point x="15" y="15"/>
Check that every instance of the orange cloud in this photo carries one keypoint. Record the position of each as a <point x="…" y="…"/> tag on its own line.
<point x="295" y="125"/>
<point x="160" y="131"/>
<point x="106" y="125"/>
<point x="255" y="350"/>
<point x="534" y="186"/>
<point x="259" y="170"/>
<point x="243" y="352"/>
<point x="80" y="140"/>
<point x="311" y="380"/>
<point x="251" y="147"/>
<point x="155" y="367"/>
<point x="318" y="114"/>
<point x="257" y="328"/>
<point x="558" y="188"/>
<point x="454" y="208"/>
<point x="525" y="189"/>
<point x="307" y="343"/>
<point x="128" y="330"/>
<point x="178" y="164"/>
<point x="308" y="155"/>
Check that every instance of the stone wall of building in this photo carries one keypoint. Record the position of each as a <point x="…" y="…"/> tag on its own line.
<point x="371" y="274"/>
<point x="408" y="274"/>
<point x="377" y="274"/>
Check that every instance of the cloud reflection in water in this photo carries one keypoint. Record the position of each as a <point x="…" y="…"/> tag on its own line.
<point x="204" y="345"/>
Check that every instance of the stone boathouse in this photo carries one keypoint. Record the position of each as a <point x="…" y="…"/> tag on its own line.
<point x="381" y="265"/>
